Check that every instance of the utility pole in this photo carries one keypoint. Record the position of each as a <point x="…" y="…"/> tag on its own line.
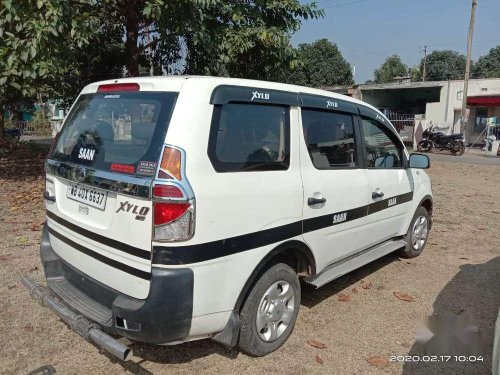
<point x="467" y="66"/>
<point x="424" y="73"/>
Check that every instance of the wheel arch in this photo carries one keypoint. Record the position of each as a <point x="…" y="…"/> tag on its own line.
<point x="290" y="251"/>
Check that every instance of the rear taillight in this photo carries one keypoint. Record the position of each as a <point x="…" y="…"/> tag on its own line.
<point x="165" y="213"/>
<point x="171" y="164"/>
<point x="173" y="199"/>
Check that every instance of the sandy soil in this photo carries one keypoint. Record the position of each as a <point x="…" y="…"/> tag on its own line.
<point x="458" y="273"/>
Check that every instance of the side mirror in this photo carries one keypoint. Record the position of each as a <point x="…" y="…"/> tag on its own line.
<point x="419" y="161"/>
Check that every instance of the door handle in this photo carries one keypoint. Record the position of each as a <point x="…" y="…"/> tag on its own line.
<point x="48" y="197"/>
<point x="313" y="201"/>
<point x="377" y="194"/>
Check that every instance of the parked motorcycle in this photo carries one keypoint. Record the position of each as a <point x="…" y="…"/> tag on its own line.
<point x="438" y="140"/>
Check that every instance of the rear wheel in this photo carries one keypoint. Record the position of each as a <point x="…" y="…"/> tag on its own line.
<point x="424" y="146"/>
<point x="416" y="238"/>
<point x="270" y="311"/>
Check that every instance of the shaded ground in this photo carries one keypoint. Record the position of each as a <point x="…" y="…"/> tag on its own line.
<point x="458" y="273"/>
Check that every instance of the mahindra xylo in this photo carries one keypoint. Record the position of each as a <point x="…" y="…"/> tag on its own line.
<point x="181" y="208"/>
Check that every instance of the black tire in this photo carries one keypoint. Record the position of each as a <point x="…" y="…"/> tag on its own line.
<point x="424" y="146"/>
<point x="249" y="340"/>
<point x="459" y="150"/>
<point x="409" y="251"/>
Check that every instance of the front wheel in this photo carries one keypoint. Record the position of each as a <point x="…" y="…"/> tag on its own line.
<point x="270" y="311"/>
<point x="458" y="149"/>
<point x="416" y="238"/>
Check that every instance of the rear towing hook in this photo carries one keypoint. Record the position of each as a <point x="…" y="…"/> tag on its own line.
<point x="90" y="331"/>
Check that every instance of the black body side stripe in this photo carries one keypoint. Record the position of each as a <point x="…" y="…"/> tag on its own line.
<point x="389" y="202"/>
<point x="221" y="248"/>
<point x="177" y="255"/>
<point x="104" y="259"/>
<point x="135" y="251"/>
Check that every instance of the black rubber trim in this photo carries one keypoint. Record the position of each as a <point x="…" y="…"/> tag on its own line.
<point x="135" y="251"/>
<point x="104" y="259"/>
<point x="327" y="103"/>
<point x="224" y="94"/>
<point x="178" y="255"/>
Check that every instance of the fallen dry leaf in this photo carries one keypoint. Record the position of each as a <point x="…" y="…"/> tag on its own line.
<point x="10" y="287"/>
<point x="5" y="257"/>
<point x="380" y="287"/>
<point x="29" y="328"/>
<point x="366" y="285"/>
<point x="378" y="361"/>
<point x="344" y="297"/>
<point x="317" y="344"/>
<point x="319" y="360"/>
<point x="354" y="290"/>
<point x="34" y="269"/>
<point x="404" y="297"/>
<point x="14" y="208"/>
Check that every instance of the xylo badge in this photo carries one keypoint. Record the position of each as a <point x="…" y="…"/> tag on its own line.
<point x="391" y="202"/>
<point x="139" y="212"/>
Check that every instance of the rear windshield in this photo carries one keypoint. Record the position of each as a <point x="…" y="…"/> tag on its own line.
<point x="119" y="132"/>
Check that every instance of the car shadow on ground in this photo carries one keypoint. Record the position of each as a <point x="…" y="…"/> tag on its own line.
<point x="473" y="293"/>
<point x="187" y="352"/>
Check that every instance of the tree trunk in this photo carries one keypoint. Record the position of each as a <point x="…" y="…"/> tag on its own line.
<point x="2" y="124"/>
<point x="131" y="48"/>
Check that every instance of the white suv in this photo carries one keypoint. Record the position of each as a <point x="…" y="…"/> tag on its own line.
<point x="181" y="208"/>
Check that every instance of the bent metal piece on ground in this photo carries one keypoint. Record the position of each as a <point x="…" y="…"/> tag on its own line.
<point x="182" y="208"/>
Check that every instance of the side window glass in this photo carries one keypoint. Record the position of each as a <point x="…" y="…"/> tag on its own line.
<point x="250" y="137"/>
<point x="330" y="138"/>
<point x="381" y="151"/>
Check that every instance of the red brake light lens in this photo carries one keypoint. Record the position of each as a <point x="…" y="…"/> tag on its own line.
<point x="167" y="191"/>
<point x="114" y="87"/>
<point x="166" y="212"/>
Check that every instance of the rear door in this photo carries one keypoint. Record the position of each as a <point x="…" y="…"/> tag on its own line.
<point x="390" y="188"/>
<point x="335" y="186"/>
<point x="99" y="176"/>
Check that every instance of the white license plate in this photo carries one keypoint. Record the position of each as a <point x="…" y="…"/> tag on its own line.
<point x="89" y="195"/>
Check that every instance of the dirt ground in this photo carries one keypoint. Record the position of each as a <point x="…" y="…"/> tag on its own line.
<point x="458" y="273"/>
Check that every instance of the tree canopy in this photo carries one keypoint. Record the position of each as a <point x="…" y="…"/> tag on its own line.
<point x="391" y="68"/>
<point x="51" y="48"/>
<point x="319" y="64"/>
<point x="488" y="66"/>
<point x="444" y="66"/>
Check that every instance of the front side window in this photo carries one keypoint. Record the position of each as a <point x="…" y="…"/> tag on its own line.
<point x="330" y="138"/>
<point x="380" y="149"/>
<point x="250" y="137"/>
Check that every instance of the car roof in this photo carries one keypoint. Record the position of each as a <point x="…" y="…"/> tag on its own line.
<point x="175" y="82"/>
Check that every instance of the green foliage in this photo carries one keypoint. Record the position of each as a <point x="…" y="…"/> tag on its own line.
<point x="392" y="67"/>
<point x="488" y="66"/>
<point x="444" y="66"/>
<point x="320" y="64"/>
<point x="34" y="39"/>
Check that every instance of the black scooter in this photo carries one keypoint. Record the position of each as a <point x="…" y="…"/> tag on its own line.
<point x="438" y="140"/>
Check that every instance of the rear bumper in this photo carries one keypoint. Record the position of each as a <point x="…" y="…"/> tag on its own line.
<point x="164" y="316"/>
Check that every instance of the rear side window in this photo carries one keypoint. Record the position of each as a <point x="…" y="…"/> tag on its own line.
<point x="249" y="137"/>
<point x="119" y="132"/>
<point x="381" y="148"/>
<point x="330" y="138"/>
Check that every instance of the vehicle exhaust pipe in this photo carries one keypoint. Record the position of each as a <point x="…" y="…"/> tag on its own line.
<point x="90" y="331"/>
